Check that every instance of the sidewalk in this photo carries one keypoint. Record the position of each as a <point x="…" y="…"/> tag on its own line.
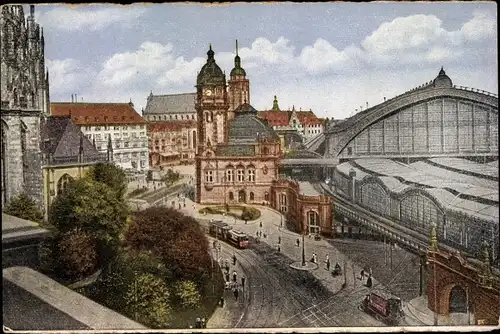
<point x="271" y="227"/>
<point x="418" y="314"/>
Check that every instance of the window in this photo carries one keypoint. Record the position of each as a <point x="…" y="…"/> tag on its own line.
<point x="134" y="164"/>
<point x="182" y="117"/>
<point x="132" y="127"/>
<point x="143" y="133"/>
<point x="251" y="196"/>
<point x="192" y="116"/>
<point x="266" y="196"/>
<point x="125" y="134"/>
<point x="99" y="147"/>
<point x="97" y="128"/>
<point x="144" y="144"/>
<point x="143" y="154"/>
<point x="89" y="137"/>
<point x="134" y="155"/>
<point x="117" y="145"/>
<point x="373" y="196"/>
<point x="231" y="196"/>
<point x="134" y="145"/>
<point x="125" y="127"/>
<point x="105" y="127"/>
<point x="117" y="128"/>
<point x="229" y="175"/>
<point x="251" y="175"/>
<point x="125" y="144"/>
<point x="175" y="116"/>
<point x="283" y="203"/>
<point x="241" y="175"/>
<point x="63" y="183"/>
<point x="209" y="177"/>
<point x="134" y="134"/>
<point x="420" y="213"/>
<point x="143" y="163"/>
<point x="98" y="136"/>
<point x="23" y="151"/>
<point x="116" y="134"/>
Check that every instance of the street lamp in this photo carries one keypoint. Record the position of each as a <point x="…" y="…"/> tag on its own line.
<point x="434" y="250"/>
<point x="303" y="252"/>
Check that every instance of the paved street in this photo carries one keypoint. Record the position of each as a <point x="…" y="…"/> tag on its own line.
<point x="277" y="295"/>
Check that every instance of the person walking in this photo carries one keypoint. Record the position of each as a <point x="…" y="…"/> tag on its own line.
<point x="221" y="301"/>
<point x="279" y="239"/>
<point x="362" y="275"/>
<point x="234" y="260"/>
<point x="328" y="264"/>
<point x="279" y="248"/>
<point x="235" y="294"/>
<point x="369" y="282"/>
<point x="297" y="242"/>
<point x="260" y="224"/>
<point x="234" y="276"/>
<point x="203" y="323"/>
<point x="227" y="276"/>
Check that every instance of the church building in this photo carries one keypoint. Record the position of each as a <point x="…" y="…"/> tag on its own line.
<point x="238" y="153"/>
<point x="24" y="103"/>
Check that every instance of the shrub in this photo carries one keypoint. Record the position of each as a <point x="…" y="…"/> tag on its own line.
<point x="77" y="254"/>
<point x="187" y="294"/>
<point x="24" y="207"/>
<point x="250" y="213"/>
<point x="148" y="297"/>
<point x="175" y="238"/>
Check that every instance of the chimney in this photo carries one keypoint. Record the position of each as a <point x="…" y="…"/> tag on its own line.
<point x="366" y="105"/>
<point x="384" y="98"/>
<point x="32" y="11"/>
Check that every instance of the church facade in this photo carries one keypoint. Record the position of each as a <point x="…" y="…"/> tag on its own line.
<point x="24" y="103"/>
<point x="238" y="153"/>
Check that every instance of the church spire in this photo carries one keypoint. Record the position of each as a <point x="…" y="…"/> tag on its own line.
<point x="275" y="104"/>
<point x="236" y="48"/>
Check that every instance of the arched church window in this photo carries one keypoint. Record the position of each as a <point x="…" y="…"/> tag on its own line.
<point x="24" y="145"/>
<point x="63" y="183"/>
<point x="3" y="157"/>
<point x="231" y="196"/>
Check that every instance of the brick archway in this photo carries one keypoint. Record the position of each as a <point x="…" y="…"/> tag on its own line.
<point x="445" y="296"/>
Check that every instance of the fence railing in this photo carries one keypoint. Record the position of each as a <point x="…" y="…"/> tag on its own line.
<point x="66" y="160"/>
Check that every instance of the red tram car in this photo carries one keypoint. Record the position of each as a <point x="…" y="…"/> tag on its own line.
<point x="383" y="306"/>
<point x="223" y="231"/>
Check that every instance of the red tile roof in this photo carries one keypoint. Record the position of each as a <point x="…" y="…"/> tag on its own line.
<point x="171" y="126"/>
<point x="97" y="113"/>
<point x="282" y="118"/>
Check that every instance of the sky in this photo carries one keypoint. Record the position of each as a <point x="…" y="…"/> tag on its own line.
<point x="332" y="58"/>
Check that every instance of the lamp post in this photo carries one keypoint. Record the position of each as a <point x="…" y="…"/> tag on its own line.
<point x="434" y="250"/>
<point x="303" y="251"/>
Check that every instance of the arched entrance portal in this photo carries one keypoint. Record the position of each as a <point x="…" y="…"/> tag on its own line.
<point x="242" y="197"/>
<point x="458" y="300"/>
<point x="313" y="222"/>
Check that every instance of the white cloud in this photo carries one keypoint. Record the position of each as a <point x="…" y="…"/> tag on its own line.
<point x="482" y="26"/>
<point x="67" y="74"/>
<point x="92" y="17"/>
<point x="392" y="59"/>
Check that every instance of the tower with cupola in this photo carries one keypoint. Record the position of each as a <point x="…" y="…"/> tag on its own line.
<point x="239" y="86"/>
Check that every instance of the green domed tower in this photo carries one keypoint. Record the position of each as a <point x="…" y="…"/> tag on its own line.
<point x="239" y="86"/>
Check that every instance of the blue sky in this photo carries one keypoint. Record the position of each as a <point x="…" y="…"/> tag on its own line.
<point x="332" y="58"/>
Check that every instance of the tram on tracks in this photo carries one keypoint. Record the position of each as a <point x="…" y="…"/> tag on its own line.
<point x="223" y="231"/>
<point x="383" y="306"/>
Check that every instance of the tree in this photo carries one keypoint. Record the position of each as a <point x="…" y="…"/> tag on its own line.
<point x="170" y="177"/>
<point x="24" y="207"/>
<point x="111" y="175"/>
<point x="93" y="207"/>
<point x="148" y="298"/>
<point x="187" y="294"/>
<point x="77" y="255"/>
<point x="175" y="238"/>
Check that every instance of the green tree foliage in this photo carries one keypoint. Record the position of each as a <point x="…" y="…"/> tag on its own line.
<point x="148" y="298"/>
<point x="93" y="207"/>
<point x="170" y="177"/>
<point x="111" y="175"/>
<point x="175" y="238"/>
<point x="24" y="207"/>
<point x="250" y="213"/>
<point x="76" y="254"/>
<point x="187" y="294"/>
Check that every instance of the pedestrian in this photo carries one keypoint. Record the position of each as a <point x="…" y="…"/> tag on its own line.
<point x="197" y="323"/>
<point x="260" y="224"/>
<point x="328" y="264"/>
<point x="243" y="282"/>
<point x="279" y="249"/>
<point x="214" y="244"/>
<point x="257" y="233"/>
<point x="227" y="277"/>
<point x="221" y="301"/>
<point x="279" y="240"/>
<point x="327" y="258"/>
<point x="203" y="324"/>
<point x="265" y="236"/>
<point x="234" y="276"/>
<point x="369" y="282"/>
<point x="297" y="242"/>
<point x="236" y="294"/>
<point x="234" y="260"/>
<point x="362" y="275"/>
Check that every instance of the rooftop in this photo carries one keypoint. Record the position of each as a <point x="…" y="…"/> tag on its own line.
<point x="170" y="104"/>
<point x="97" y="113"/>
<point x="307" y="189"/>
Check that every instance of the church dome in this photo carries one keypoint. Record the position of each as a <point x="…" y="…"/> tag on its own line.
<point x="442" y="80"/>
<point x="246" y="127"/>
<point x="237" y="70"/>
<point x="210" y="73"/>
